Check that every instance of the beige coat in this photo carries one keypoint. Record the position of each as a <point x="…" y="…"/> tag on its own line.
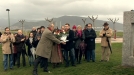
<point x="109" y="34"/>
<point x="6" y="49"/>
<point x="45" y="44"/>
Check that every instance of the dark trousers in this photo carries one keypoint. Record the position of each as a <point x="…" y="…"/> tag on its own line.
<point x="78" y="55"/>
<point x="63" y="54"/>
<point x="42" y="63"/>
<point x="85" y="53"/>
<point x="23" y="58"/>
<point x="37" y="61"/>
<point x="14" y="58"/>
<point x="91" y="55"/>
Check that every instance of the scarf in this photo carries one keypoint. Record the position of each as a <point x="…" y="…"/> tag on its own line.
<point x="79" y="33"/>
<point x="49" y="29"/>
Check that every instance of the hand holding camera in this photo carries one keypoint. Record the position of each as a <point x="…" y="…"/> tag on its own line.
<point x="104" y="34"/>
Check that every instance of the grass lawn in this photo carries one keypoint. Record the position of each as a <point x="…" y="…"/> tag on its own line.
<point x="113" y="67"/>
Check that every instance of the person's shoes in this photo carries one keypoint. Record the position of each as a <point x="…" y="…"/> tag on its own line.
<point x="93" y="61"/>
<point x="35" y="73"/>
<point x="105" y="61"/>
<point x="74" y="65"/>
<point x="5" y="70"/>
<point x="24" y="65"/>
<point x="66" y="65"/>
<point x="47" y="71"/>
<point x="101" y="60"/>
<point x="18" y="66"/>
<point x="79" y="62"/>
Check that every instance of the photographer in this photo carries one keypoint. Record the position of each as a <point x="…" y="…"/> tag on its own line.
<point x="105" y="35"/>
<point x="7" y="39"/>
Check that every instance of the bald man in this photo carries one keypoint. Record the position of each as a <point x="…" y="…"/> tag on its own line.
<point x="44" y="48"/>
<point x="20" y="47"/>
<point x="34" y="31"/>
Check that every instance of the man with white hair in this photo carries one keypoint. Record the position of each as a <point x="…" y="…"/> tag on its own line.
<point x="34" y="31"/>
<point x="20" y="46"/>
<point x="44" y="48"/>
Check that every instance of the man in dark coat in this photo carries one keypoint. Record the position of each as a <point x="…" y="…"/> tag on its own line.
<point x="44" y="48"/>
<point x="20" y="46"/>
<point x="69" y="46"/>
<point x="90" y="36"/>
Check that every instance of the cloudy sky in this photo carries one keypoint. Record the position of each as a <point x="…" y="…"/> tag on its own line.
<point x="40" y="9"/>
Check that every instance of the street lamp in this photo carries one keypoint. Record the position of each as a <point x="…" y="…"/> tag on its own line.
<point x="8" y="17"/>
<point x="22" y="21"/>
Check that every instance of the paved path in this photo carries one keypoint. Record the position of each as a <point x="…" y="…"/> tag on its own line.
<point x="117" y="40"/>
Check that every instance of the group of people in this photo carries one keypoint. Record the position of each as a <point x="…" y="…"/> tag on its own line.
<point x="45" y="44"/>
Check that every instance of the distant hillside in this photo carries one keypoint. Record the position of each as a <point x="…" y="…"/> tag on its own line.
<point x="72" y="20"/>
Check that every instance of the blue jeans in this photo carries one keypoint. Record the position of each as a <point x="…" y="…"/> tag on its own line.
<point x="90" y="55"/>
<point x="72" y="56"/>
<point x="5" y="60"/>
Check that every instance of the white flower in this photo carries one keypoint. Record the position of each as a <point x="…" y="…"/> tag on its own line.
<point x="64" y="32"/>
<point x="58" y="33"/>
<point x="54" y="32"/>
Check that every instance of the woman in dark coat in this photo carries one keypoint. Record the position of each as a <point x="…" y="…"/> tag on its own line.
<point x="90" y="36"/>
<point x="30" y="42"/>
<point x="79" y="37"/>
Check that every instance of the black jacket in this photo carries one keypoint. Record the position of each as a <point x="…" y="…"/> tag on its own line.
<point x="70" y="44"/>
<point x="20" y="45"/>
<point x="30" y="45"/>
<point x="90" y="39"/>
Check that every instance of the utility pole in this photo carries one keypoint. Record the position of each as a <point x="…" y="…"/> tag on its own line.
<point x="22" y="22"/>
<point x="8" y="17"/>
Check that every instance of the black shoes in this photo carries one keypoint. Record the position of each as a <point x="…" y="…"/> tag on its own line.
<point x="74" y="65"/>
<point x="103" y="61"/>
<point x="5" y="70"/>
<point x="47" y="71"/>
<point x="35" y="73"/>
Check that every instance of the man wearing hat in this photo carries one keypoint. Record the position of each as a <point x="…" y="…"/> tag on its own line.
<point x="105" y="35"/>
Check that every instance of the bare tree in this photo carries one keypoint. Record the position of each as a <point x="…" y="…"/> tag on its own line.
<point x="84" y="20"/>
<point x="49" y="20"/>
<point x="114" y="21"/>
<point x="93" y="19"/>
<point x="22" y="22"/>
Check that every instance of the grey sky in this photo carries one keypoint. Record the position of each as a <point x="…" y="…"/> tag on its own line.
<point x="40" y="9"/>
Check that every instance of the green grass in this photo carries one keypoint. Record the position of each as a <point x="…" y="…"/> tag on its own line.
<point x="113" y="67"/>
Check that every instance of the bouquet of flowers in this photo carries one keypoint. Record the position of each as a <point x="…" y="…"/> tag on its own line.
<point x="64" y="36"/>
<point x="61" y="35"/>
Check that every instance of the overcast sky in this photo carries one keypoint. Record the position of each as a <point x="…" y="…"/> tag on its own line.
<point x="40" y="9"/>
